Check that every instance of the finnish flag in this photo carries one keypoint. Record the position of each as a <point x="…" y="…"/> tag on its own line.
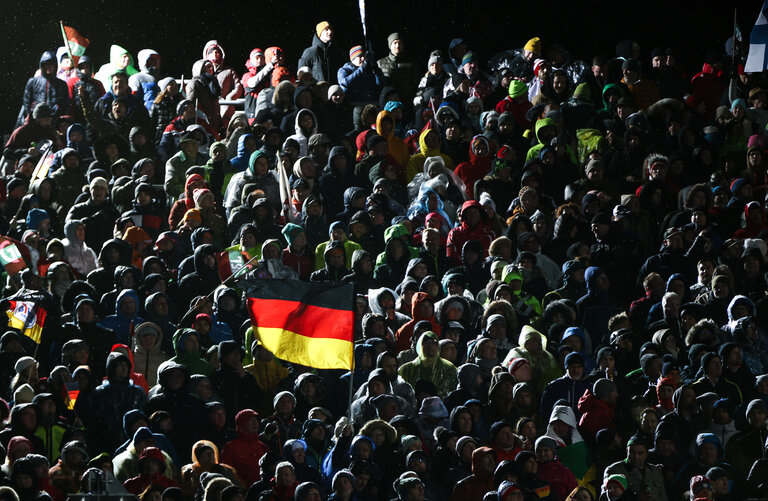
<point x="757" y="60"/>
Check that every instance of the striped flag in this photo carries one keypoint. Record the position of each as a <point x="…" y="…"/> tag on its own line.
<point x="757" y="59"/>
<point x="27" y="317"/>
<point x="70" y="391"/>
<point x="305" y="323"/>
<point x="76" y="43"/>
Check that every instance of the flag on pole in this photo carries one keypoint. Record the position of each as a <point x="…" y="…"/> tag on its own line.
<point x="70" y="391"/>
<point x="305" y="323"/>
<point x="10" y="256"/>
<point x="757" y="59"/>
<point x="361" y="5"/>
<point x="27" y="317"/>
<point x="76" y="43"/>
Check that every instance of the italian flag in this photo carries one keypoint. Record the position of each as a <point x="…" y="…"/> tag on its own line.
<point x="76" y="43"/>
<point x="10" y="256"/>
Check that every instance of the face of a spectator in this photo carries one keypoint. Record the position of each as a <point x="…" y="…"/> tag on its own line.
<point x="636" y="455"/>
<point x="119" y="85"/>
<point x="560" y="83"/>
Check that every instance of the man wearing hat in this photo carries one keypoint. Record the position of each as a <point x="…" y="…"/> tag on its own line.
<point x="671" y="259"/>
<point x="398" y="69"/>
<point x="598" y="406"/>
<point x="361" y="80"/>
<point x="569" y="387"/>
<point x="516" y="103"/>
<point x="643" y="91"/>
<point x="323" y="57"/>
<point x="641" y="477"/>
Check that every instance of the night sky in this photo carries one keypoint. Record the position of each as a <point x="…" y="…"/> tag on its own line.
<point x="178" y="30"/>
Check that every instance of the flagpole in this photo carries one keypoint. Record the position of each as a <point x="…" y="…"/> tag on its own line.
<point x="735" y="44"/>
<point x="35" y="174"/>
<point x="66" y="44"/>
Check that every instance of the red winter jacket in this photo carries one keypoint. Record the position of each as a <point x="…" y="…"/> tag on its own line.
<point x="476" y="168"/>
<point x="405" y="332"/>
<point x="595" y="414"/>
<point x="136" y="485"/>
<point x="244" y="452"/>
<point x="518" y="110"/>
<point x="559" y="477"/>
<point x="462" y="234"/>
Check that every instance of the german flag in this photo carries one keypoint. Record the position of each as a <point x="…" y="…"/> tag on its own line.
<point x="305" y="323"/>
<point x="27" y="317"/>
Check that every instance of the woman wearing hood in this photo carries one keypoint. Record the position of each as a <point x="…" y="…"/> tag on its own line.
<point x="429" y="146"/>
<point x="78" y="254"/>
<point x="204" y="89"/>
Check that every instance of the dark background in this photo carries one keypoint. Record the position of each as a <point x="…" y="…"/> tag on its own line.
<point x="178" y="30"/>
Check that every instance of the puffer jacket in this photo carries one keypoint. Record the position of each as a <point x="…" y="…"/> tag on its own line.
<point x="49" y="90"/>
<point x="323" y="59"/>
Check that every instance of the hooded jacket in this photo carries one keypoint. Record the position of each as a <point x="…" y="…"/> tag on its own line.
<point x="144" y="83"/>
<point x="104" y="75"/>
<point x="243" y="453"/>
<point x="416" y="162"/>
<point x="120" y="324"/>
<point x="481" y="233"/>
<point x="299" y="136"/>
<point x="395" y="146"/>
<point x="80" y="256"/>
<point x="544" y="365"/>
<point x="111" y="400"/>
<point x="148" y="361"/>
<point x="46" y="89"/>
<point x="437" y="370"/>
<point x="332" y="183"/>
<point x="186" y="410"/>
<point x="476" y="168"/>
<point x="192" y="360"/>
<point x="596" y="414"/>
<point x="404" y="333"/>
<point x="572" y="450"/>
<point x="326" y="273"/>
<point x="474" y="487"/>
